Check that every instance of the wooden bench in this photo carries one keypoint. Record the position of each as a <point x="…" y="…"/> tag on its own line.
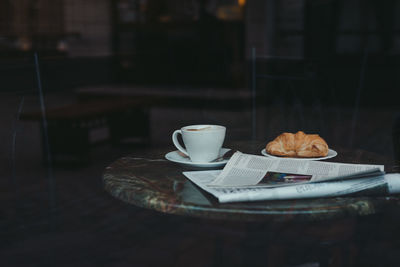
<point x="74" y="128"/>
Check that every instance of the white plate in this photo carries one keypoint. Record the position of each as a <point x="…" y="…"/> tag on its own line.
<point x="331" y="153"/>
<point x="174" y="156"/>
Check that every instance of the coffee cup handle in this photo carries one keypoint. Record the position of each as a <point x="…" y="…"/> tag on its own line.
<point x="176" y="142"/>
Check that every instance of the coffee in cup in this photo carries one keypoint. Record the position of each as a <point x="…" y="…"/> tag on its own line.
<point x="202" y="142"/>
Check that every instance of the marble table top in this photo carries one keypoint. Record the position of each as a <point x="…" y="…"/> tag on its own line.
<point x="146" y="179"/>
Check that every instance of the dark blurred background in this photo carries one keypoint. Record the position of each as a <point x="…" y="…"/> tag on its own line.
<point x="119" y="76"/>
<point x="203" y="43"/>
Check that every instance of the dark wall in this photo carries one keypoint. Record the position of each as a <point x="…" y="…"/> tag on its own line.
<point x="57" y="74"/>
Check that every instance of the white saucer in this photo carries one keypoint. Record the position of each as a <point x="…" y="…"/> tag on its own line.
<point x="331" y="153"/>
<point x="174" y="156"/>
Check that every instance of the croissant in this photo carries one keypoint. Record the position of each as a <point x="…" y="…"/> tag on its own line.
<point x="299" y="145"/>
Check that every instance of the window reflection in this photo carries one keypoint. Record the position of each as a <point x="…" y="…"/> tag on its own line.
<point x="119" y="76"/>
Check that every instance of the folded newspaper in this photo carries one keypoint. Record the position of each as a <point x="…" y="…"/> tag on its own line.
<point x="249" y="177"/>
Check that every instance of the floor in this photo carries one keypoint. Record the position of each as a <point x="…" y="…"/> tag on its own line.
<point x="62" y="216"/>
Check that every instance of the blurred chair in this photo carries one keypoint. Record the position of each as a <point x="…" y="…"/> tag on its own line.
<point x="24" y="67"/>
<point x="357" y="99"/>
<point x="288" y="95"/>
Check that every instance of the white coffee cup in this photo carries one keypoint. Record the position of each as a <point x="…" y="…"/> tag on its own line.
<point x="203" y="142"/>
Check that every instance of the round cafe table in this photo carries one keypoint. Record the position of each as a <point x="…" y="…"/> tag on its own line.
<point x="148" y="180"/>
